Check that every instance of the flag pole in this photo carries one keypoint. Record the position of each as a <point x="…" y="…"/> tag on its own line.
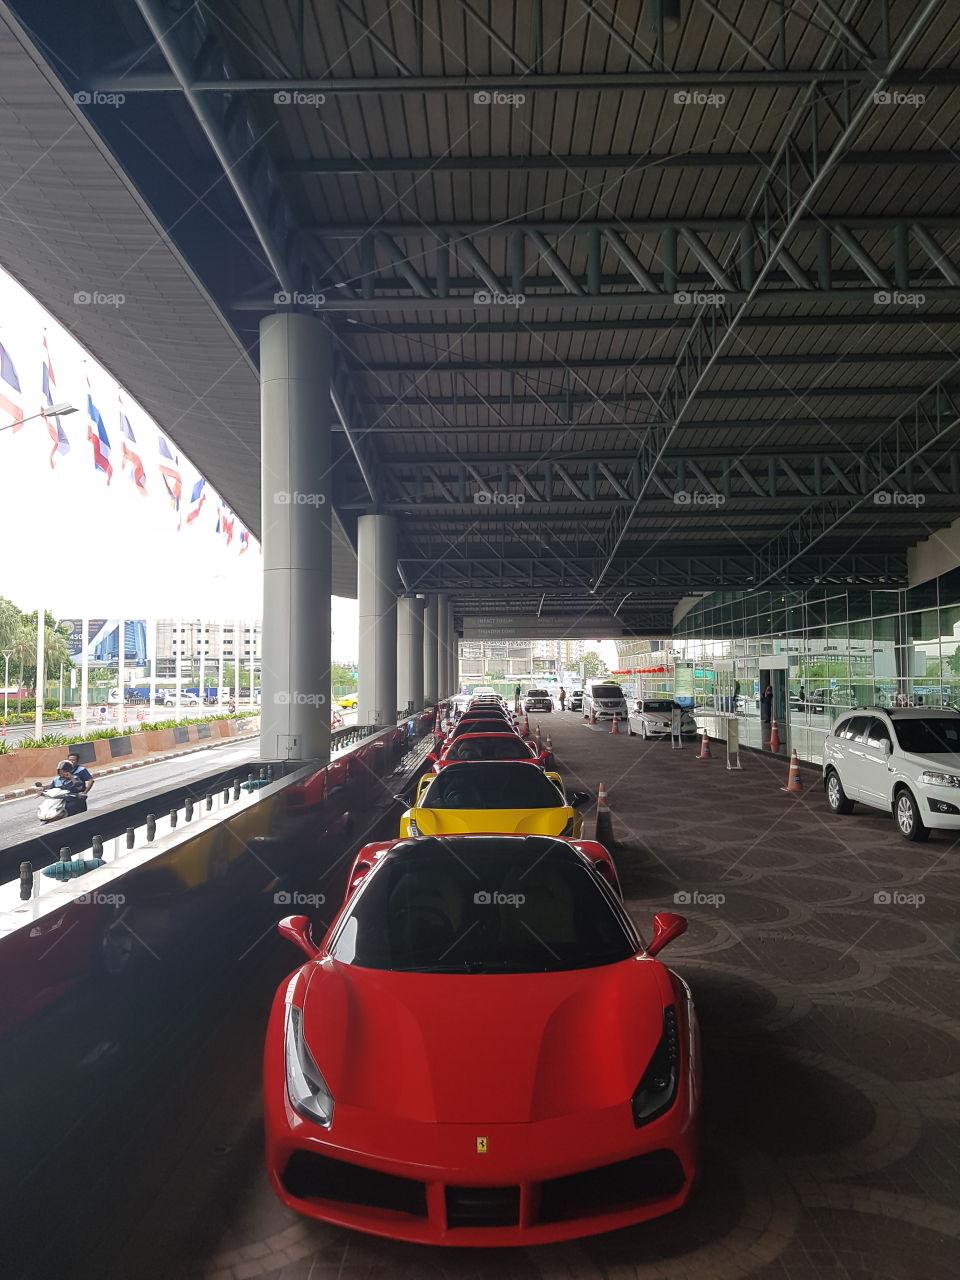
<point x="121" y="671"/>
<point x="41" y="674"/>
<point x="84" y="674"/>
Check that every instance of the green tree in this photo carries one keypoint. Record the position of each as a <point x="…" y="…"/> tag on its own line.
<point x="594" y="666"/>
<point x="342" y="676"/>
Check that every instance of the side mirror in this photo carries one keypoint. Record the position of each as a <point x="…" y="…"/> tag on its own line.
<point x="401" y="799"/>
<point x="297" y="929"/>
<point x="579" y="799"/>
<point x="887" y="747"/>
<point x="666" y="927"/>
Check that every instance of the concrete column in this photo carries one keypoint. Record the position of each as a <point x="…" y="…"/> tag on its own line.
<point x="378" y="585"/>
<point x="443" y="644"/>
<point x="410" y="652"/>
<point x="452" y="663"/>
<point x="431" y="674"/>
<point x="295" y="370"/>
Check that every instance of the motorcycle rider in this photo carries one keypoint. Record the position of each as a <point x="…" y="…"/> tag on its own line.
<point x="81" y="773"/>
<point x="66" y="781"/>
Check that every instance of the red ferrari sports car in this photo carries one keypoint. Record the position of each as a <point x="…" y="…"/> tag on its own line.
<point x="482" y="1051"/>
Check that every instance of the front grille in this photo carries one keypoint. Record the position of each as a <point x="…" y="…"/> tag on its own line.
<point x="483" y="1206"/>
<point x="309" y="1176"/>
<point x="653" y="1176"/>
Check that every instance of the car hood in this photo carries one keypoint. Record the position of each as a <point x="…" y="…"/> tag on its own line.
<point x="498" y="1049"/>
<point x="948" y="762"/>
<point x="448" y="822"/>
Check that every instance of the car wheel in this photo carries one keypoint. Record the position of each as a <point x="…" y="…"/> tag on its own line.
<point x="837" y="798"/>
<point x="907" y="813"/>
<point x="643" y="730"/>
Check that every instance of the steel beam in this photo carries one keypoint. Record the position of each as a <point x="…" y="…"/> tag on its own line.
<point x="689" y="480"/>
<point x="679" y="573"/>
<point x="323" y="166"/>
<point x="783" y="207"/>
<point x="562" y="82"/>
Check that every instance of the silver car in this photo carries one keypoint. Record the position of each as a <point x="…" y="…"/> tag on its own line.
<point x="653" y="718"/>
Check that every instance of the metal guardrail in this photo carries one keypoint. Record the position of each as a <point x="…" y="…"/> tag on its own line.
<point x="141" y="835"/>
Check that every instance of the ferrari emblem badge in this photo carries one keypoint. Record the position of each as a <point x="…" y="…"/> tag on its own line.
<point x="481" y="1146"/>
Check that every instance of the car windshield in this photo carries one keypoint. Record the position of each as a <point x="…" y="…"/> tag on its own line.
<point x="488" y="724"/>
<point x="607" y="691"/>
<point x="479" y="905"/>
<point x="492" y="746"/>
<point x="538" y="693"/>
<point x="492" y="785"/>
<point x="930" y="736"/>
<point x="662" y="705"/>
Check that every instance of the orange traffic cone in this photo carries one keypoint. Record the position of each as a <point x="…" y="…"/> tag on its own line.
<point x="794" y="785"/>
<point x="526" y="725"/>
<point x="615" y="726"/>
<point x="537" y="737"/>
<point x="549" y="744"/>
<point x="774" y="736"/>
<point x="593" y="716"/>
<point x="705" y="753"/>
<point x="603" y="830"/>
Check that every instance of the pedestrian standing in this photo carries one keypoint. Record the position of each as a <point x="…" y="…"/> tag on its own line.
<point x="563" y="698"/>
<point x="766" y="705"/>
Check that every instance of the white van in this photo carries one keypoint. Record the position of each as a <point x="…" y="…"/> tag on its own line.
<point x="604" y="699"/>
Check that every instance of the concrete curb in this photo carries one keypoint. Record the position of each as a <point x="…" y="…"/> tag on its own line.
<point x="139" y="764"/>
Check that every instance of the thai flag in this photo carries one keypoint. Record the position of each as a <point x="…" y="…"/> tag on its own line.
<point x="9" y="382"/>
<point x="170" y="470"/>
<point x="244" y="541"/>
<point x="61" y="445"/>
<point x="97" y="435"/>
<point x="197" y="499"/>
<point x="225" y="522"/>
<point x="137" y="473"/>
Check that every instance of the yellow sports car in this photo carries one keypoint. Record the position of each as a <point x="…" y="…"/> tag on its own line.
<point x="348" y="701"/>
<point x="508" y="796"/>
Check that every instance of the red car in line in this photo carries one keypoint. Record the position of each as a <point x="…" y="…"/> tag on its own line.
<point x="482" y="745"/>
<point x="482" y="1051"/>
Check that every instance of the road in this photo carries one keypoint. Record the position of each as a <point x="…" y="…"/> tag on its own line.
<point x="18" y="818"/>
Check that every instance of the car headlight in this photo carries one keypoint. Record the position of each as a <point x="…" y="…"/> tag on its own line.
<point x="306" y="1087"/>
<point x="932" y="777"/>
<point x="658" y="1086"/>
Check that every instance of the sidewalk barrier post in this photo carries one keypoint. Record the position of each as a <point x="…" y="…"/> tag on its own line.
<point x="96" y="847"/>
<point x="794" y="784"/>
<point x="173" y="819"/>
<point x="733" y="743"/>
<point x="188" y="810"/>
<point x="151" y="828"/>
<point x="26" y="881"/>
<point x="131" y="835"/>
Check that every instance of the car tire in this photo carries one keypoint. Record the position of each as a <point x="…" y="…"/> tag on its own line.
<point x="643" y="730"/>
<point x="837" y="799"/>
<point x="906" y="813"/>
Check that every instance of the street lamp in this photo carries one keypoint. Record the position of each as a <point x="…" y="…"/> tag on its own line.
<point x="52" y="411"/>
<point x="7" y="655"/>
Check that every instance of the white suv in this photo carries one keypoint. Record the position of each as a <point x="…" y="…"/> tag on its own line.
<point x="604" y="699"/>
<point x="903" y="761"/>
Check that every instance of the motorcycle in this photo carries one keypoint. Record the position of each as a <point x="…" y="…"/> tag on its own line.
<point x="53" y="803"/>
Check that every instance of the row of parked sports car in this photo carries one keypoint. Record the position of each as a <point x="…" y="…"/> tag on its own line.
<point x="482" y="1050"/>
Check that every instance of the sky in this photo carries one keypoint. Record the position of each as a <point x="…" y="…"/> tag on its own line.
<point x="79" y="546"/>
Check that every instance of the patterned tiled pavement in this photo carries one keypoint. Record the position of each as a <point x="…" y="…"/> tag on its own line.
<point x="823" y="954"/>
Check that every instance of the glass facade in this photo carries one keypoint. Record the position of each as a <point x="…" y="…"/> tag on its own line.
<point x="822" y="650"/>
